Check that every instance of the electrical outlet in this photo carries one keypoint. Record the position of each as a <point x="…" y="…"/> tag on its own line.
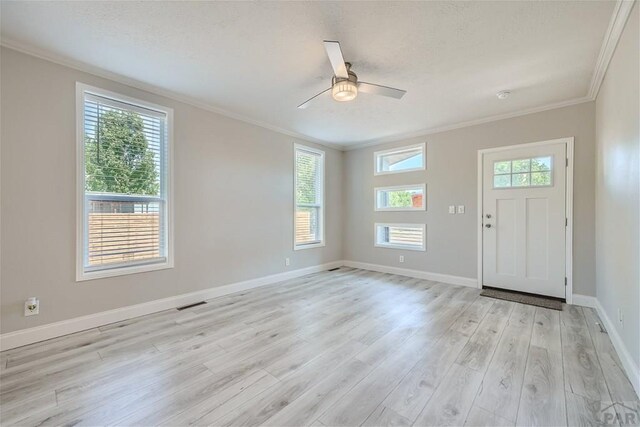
<point x="401" y="258"/>
<point x="31" y="306"/>
<point x="287" y="262"/>
<point x="460" y="209"/>
<point x="452" y="209"/>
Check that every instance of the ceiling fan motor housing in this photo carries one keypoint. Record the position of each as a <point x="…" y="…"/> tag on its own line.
<point x="345" y="89"/>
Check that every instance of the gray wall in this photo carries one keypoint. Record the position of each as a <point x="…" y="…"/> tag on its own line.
<point x="227" y="227"/>
<point x="618" y="188"/>
<point x="451" y="179"/>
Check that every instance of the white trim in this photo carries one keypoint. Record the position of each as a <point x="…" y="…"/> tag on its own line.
<point x="321" y="153"/>
<point x="569" y="215"/>
<point x="631" y="368"/>
<point x="418" y="274"/>
<point x="376" y="199"/>
<point x="569" y="142"/>
<point x="377" y="154"/>
<point x="40" y="333"/>
<point x="460" y="125"/>
<point x="81" y="274"/>
<point x="620" y="15"/>
<point x="137" y="84"/>
<point x="585" y="300"/>
<point x="630" y="365"/>
<point x="376" y="243"/>
<point x="619" y="18"/>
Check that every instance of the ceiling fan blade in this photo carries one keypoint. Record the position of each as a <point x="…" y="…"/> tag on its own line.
<point x="337" y="60"/>
<point x="306" y="103"/>
<point x="381" y="90"/>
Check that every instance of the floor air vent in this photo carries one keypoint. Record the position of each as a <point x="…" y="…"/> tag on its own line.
<point x="195" y="304"/>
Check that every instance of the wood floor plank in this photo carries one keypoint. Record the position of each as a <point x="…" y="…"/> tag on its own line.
<point x="620" y="389"/>
<point x="347" y="347"/>
<point x="356" y="406"/>
<point x="502" y="383"/>
<point x="479" y="417"/>
<point x="222" y="402"/>
<point x="411" y="395"/>
<point x="582" y="370"/>
<point x="383" y="417"/>
<point x="542" y="400"/>
<point x="585" y="412"/>
<point x="478" y="351"/>
<point x="268" y="404"/>
<point x="452" y="400"/>
<point x="311" y="404"/>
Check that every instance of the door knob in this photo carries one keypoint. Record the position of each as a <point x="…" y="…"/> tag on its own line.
<point x="488" y="225"/>
<point x="488" y="215"/>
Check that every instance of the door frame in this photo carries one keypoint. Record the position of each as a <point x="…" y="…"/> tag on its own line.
<point x="569" y="142"/>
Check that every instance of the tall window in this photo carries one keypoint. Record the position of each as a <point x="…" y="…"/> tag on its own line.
<point x="309" y="197"/>
<point x="123" y="165"/>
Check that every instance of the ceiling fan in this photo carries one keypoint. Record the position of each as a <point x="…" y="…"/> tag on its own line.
<point x="344" y="83"/>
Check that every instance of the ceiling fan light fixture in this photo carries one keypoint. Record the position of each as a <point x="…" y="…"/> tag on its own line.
<point x="344" y="90"/>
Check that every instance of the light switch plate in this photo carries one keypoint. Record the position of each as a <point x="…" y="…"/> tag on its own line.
<point x="460" y="209"/>
<point x="452" y="209"/>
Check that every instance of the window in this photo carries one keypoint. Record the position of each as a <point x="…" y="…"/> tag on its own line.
<point x="534" y="172"/>
<point x="400" y="198"/>
<point x="405" y="159"/>
<point x="309" y="197"/>
<point x="400" y="236"/>
<point x="124" y="219"/>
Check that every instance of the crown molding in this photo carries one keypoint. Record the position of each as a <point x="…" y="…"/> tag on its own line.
<point x="618" y="20"/>
<point x="488" y="119"/>
<point x="137" y="84"/>
<point x="621" y="13"/>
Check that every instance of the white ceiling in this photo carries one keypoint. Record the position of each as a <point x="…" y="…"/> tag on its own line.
<point x="260" y="60"/>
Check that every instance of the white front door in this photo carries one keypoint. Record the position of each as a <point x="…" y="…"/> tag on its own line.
<point x="524" y="219"/>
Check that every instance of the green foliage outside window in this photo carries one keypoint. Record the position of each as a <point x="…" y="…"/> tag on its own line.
<point x="118" y="160"/>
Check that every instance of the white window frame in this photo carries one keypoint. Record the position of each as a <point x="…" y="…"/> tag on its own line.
<point x="422" y="248"/>
<point x="408" y="187"/>
<point x="378" y="154"/>
<point x="81" y="226"/>
<point x="321" y="209"/>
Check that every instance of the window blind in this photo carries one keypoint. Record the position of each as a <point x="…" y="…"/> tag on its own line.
<point x="125" y="159"/>
<point x="402" y="236"/>
<point x="308" y="193"/>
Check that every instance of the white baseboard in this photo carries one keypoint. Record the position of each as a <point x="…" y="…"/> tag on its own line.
<point x="52" y="330"/>
<point x="418" y="274"/>
<point x="584" y="300"/>
<point x="630" y="366"/>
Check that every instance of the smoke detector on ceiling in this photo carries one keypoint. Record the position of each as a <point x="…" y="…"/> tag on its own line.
<point x="503" y="94"/>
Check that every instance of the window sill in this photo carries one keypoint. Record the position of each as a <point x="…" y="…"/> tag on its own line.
<point x="82" y="276"/>
<point x="406" y="248"/>
<point x="418" y="169"/>
<point x="423" y="208"/>
<point x="308" y="246"/>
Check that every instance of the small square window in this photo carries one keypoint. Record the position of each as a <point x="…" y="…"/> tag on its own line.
<point x="539" y="179"/>
<point x="501" y="167"/>
<point x="502" y="181"/>
<point x="521" y="165"/>
<point x="541" y="164"/>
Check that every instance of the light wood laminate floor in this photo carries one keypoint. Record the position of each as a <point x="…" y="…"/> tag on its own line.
<point x="347" y="347"/>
